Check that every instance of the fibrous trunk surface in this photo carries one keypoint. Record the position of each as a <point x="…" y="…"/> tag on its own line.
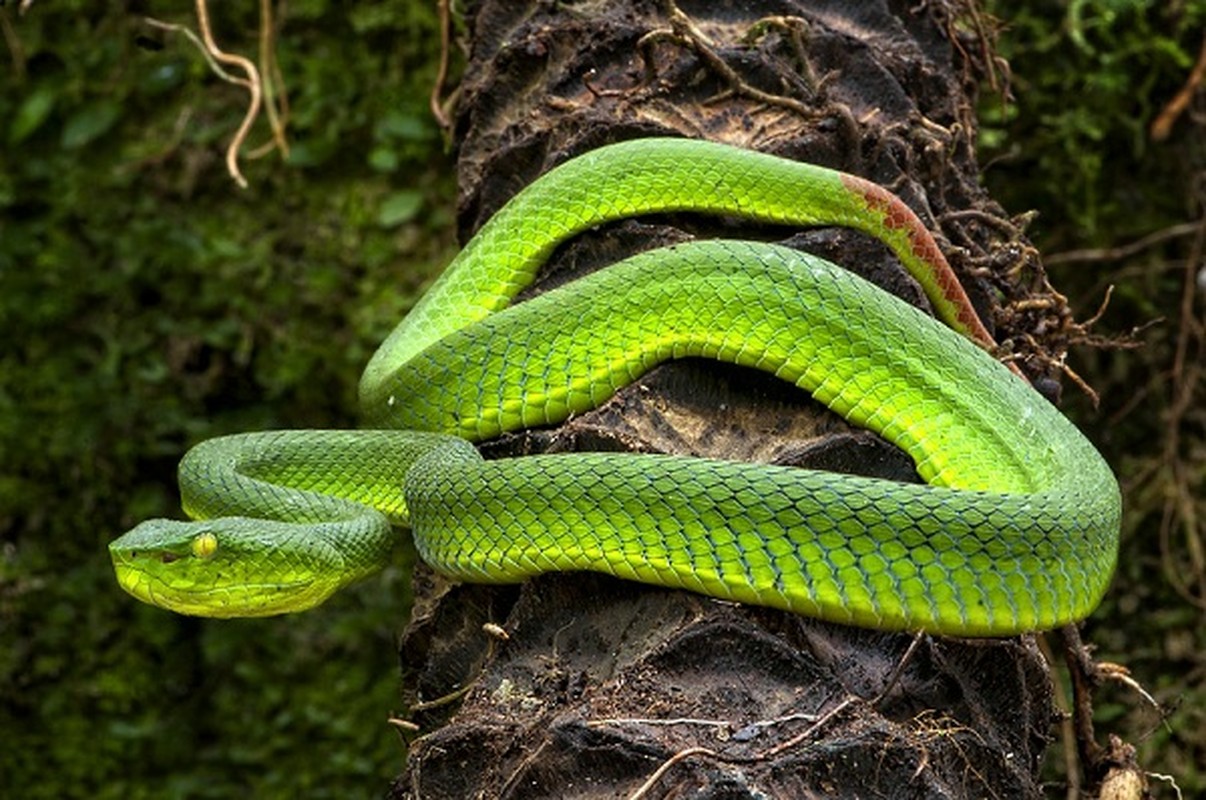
<point x="610" y="689"/>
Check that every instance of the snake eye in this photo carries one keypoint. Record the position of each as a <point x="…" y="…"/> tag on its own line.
<point x="204" y="545"/>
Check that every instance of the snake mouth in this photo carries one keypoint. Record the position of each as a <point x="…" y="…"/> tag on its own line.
<point x="244" y="600"/>
<point x="135" y="574"/>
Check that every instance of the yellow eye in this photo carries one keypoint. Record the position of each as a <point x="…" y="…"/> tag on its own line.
<point x="205" y="545"/>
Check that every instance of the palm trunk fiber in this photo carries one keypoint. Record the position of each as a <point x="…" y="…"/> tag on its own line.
<point x="610" y="689"/>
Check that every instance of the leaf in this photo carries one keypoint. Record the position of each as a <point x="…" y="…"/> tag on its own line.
<point x="383" y="159"/>
<point x="399" y="207"/>
<point x="30" y="116"/>
<point x="309" y="152"/>
<point x="89" y="122"/>
<point x="408" y="127"/>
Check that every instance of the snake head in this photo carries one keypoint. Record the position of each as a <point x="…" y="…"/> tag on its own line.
<point x="222" y="567"/>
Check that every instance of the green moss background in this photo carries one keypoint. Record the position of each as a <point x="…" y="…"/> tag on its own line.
<point x="147" y="303"/>
<point x="1089" y="77"/>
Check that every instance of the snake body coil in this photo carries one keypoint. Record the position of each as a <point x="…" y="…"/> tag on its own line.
<point x="1016" y="531"/>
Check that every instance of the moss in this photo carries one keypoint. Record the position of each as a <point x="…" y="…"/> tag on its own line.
<point x="148" y="303"/>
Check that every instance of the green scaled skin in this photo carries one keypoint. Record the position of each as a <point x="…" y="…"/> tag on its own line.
<point x="1016" y="531"/>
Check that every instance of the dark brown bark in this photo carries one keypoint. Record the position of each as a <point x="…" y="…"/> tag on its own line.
<point x="602" y="683"/>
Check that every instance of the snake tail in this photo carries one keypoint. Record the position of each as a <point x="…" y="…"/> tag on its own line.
<point x="648" y="176"/>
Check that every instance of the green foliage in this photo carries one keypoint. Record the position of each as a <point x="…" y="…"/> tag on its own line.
<point x="147" y="303"/>
<point x="1089" y="79"/>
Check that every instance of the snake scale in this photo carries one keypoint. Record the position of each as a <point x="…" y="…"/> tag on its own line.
<point x="1016" y="528"/>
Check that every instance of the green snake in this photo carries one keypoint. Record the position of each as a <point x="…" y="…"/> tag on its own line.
<point x="1016" y="528"/>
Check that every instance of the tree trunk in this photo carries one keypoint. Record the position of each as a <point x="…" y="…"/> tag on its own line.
<point x="611" y="689"/>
